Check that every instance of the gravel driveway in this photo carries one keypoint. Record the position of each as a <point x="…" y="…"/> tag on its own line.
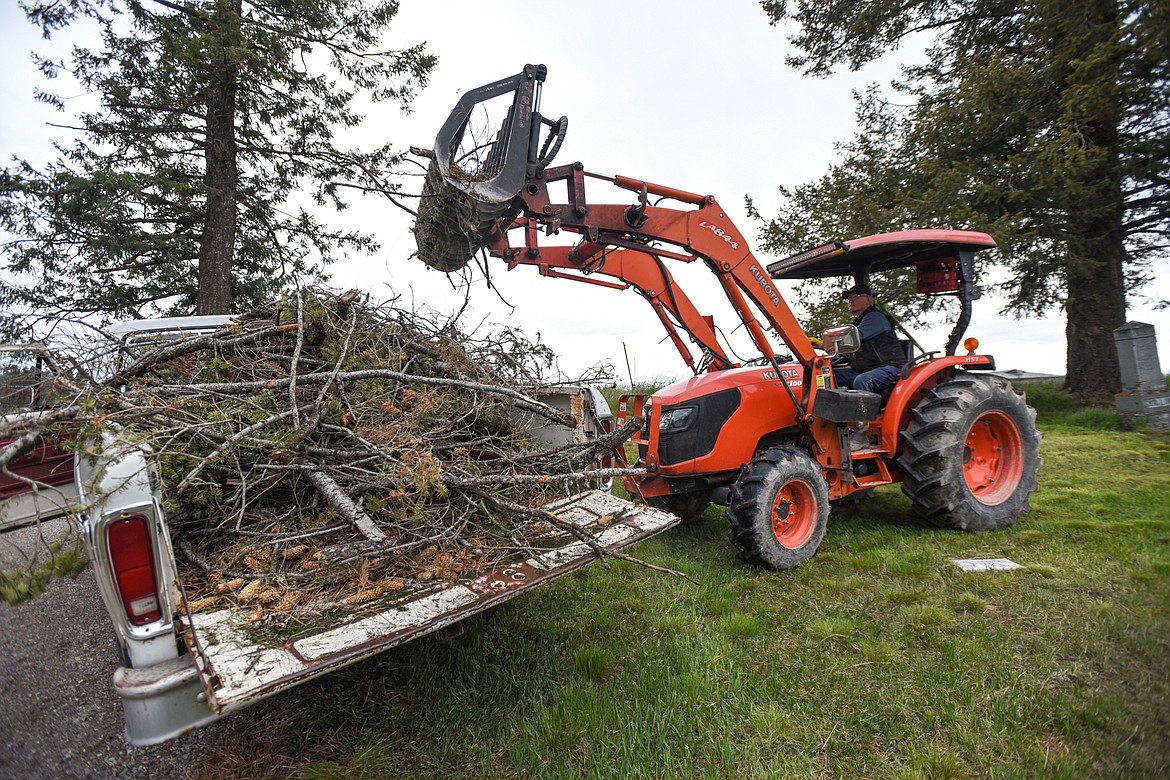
<point x="59" y="716"/>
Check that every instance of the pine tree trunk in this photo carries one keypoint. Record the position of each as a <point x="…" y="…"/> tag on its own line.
<point x="1095" y="307"/>
<point x="1095" y="273"/>
<point x="1096" y="214"/>
<point x="217" y="247"/>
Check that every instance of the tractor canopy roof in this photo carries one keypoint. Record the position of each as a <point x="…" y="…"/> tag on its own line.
<point x="860" y="257"/>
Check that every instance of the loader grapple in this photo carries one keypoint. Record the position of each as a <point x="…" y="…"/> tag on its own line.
<point x="475" y="175"/>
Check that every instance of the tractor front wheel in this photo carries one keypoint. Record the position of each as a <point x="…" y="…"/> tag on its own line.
<point x="779" y="509"/>
<point x="971" y="452"/>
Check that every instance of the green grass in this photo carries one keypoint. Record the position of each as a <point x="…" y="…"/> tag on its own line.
<point x="1061" y="410"/>
<point x="875" y="659"/>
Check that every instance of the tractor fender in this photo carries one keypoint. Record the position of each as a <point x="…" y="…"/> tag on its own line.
<point x="923" y="375"/>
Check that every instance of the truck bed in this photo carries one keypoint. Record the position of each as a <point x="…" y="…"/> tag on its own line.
<point x="236" y="670"/>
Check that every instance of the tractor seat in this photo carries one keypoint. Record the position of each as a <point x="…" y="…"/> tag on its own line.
<point x="908" y="350"/>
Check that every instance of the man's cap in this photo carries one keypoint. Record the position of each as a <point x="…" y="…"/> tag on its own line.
<point x="857" y="289"/>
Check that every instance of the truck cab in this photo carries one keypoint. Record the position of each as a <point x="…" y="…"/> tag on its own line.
<point x="40" y="484"/>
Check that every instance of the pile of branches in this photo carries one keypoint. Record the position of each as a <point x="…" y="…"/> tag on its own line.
<point x="328" y="451"/>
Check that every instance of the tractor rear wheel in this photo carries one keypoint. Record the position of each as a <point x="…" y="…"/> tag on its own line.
<point x="971" y="452"/>
<point x="688" y="506"/>
<point x="779" y="509"/>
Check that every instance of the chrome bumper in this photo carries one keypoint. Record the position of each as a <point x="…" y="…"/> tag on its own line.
<point x="162" y="701"/>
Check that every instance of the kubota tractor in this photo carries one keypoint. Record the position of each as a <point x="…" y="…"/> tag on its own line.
<point x="770" y="440"/>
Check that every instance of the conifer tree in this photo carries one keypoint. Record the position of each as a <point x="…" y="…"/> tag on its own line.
<point x="1043" y="122"/>
<point x="193" y="181"/>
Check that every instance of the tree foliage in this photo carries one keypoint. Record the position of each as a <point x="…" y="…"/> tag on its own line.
<point x="192" y="184"/>
<point x="1043" y="122"/>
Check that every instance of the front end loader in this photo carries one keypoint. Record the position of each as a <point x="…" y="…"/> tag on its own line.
<point x="769" y="438"/>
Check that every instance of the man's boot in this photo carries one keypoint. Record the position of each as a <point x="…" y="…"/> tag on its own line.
<point x="859" y="438"/>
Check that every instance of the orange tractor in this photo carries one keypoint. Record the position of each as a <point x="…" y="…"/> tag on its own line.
<point x="769" y="439"/>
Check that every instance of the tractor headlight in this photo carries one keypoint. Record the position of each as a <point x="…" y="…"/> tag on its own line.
<point x="678" y="419"/>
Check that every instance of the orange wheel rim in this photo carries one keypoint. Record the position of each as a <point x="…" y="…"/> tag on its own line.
<point x="794" y="514"/>
<point x="993" y="458"/>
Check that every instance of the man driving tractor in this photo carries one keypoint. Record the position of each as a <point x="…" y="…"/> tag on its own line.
<point x="874" y="368"/>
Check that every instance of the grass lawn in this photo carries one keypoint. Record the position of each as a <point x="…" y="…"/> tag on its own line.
<point x="876" y="659"/>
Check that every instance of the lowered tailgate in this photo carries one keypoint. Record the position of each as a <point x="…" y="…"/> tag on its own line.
<point x="237" y="670"/>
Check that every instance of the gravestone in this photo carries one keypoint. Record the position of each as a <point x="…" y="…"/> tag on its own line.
<point x="1143" y="388"/>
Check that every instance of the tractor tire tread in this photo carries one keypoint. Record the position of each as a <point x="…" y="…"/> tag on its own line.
<point x="750" y="508"/>
<point x="932" y="453"/>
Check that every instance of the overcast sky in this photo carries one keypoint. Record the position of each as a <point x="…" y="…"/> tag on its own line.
<point x="693" y="95"/>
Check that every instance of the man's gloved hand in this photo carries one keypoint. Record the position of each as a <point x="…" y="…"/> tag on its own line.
<point x="817" y="342"/>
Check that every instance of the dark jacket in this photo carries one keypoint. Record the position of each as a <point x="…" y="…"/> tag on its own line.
<point x="879" y="342"/>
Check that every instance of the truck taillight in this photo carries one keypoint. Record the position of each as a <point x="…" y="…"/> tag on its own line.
<point x="607" y="428"/>
<point x="132" y="560"/>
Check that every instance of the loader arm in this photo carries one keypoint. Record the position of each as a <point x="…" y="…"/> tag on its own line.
<point x="646" y="273"/>
<point x="478" y="195"/>
<point x="623" y="241"/>
<point x="504" y="185"/>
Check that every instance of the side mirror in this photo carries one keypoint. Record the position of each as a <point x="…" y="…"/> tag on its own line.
<point x="842" y="340"/>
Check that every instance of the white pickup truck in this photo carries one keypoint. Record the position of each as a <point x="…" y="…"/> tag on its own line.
<point x="180" y="669"/>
